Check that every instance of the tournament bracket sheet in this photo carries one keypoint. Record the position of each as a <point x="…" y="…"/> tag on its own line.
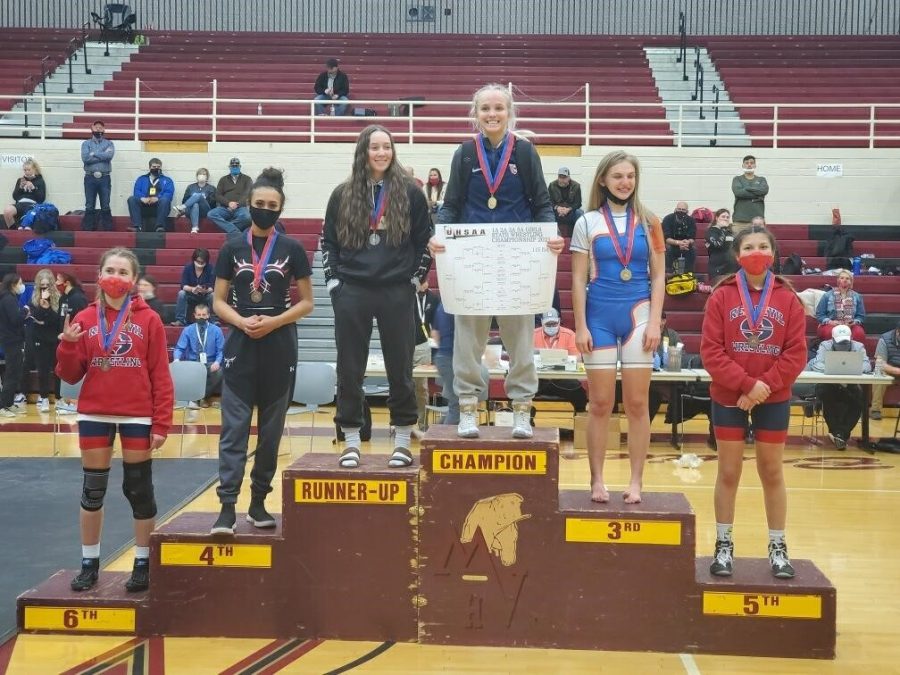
<point x="496" y="268"/>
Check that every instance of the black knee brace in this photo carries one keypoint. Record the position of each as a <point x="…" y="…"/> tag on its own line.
<point x="94" y="489"/>
<point x="138" y="488"/>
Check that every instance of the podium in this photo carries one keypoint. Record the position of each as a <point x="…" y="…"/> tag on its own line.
<point x="475" y="546"/>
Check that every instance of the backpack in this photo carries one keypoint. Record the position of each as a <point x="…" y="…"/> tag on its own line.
<point x="839" y="250"/>
<point x="793" y="264"/>
<point x="702" y="215"/>
<point x="681" y="284"/>
<point x="44" y="252"/>
<point x="42" y="218"/>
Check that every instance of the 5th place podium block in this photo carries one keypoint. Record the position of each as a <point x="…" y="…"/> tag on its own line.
<point x="476" y="546"/>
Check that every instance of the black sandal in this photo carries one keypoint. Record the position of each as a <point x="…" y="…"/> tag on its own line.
<point x="349" y="459"/>
<point x="400" y="459"/>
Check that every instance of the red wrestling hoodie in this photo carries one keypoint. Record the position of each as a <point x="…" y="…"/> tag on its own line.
<point x="138" y="383"/>
<point x="733" y="363"/>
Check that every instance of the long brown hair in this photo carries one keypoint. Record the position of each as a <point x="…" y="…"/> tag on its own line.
<point x="356" y="196"/>
<point x="736" y="247"/>
<point x="597" y="198"/>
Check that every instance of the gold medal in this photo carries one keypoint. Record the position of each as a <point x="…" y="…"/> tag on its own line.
<point x="104" y="364"/>
<point x="256" y="296"/>
<point x="492" y="202"/>
<point x="625" y="274"/>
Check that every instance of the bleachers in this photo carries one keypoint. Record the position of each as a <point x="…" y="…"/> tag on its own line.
<point x="813" y="70"/>
<point x="22" y="51"/>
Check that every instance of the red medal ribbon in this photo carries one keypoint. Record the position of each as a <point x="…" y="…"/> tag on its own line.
<point x="377" y="214"/>
<point x="260" y="262"/>
<point x="630" y="228"/>
<point x="756" y="313"/>
<point x="105" y="337"/>
<point x="493" y="181"/>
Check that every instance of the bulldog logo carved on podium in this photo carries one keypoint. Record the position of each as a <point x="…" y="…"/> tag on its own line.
<point x="498" y="519"/>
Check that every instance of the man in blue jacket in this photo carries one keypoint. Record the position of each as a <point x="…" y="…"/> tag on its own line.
<point x="153" y="195"/>
<point x="203" y="341"/>
<point x="97" y="153"/>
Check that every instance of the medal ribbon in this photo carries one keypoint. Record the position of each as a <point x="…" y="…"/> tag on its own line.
<point x="260" y="262"/>
<point x="493" y="181"/>
<point x="755" y="313"/>
<point x="377" y="214"/>
<point x="630" y="228"/>
<point x="106" y="338"/>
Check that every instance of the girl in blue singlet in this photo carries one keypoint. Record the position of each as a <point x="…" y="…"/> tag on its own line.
<point x="618" y="282"/>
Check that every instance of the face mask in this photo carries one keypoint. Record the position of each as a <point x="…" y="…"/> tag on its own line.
<point x="19" y="289"/>
<point x="264" y="219"/>
<point x="98" y="134"/>
<point x="61" y="288"/>
<point x="756" y="263"/>
<point x="200" y="263"/>
<point x="434" y="181"/>
<point x="552" y="331"/>
<point x="235" y="171"/>
<point x="154" y="172"/>
<point x="611" y="197"/>
<point x="201" y="323"/>
<point x="114" y="287"/>
<point x="202" y="179"/>
<point x="746" y="170"/>
<point x="844" y="283"/>
<point x="842" y="346"/>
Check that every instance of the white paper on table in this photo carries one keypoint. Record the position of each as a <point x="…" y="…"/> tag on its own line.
<point x="496" y="268"/>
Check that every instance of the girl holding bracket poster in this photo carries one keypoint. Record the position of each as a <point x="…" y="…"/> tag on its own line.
<point x="495" y="178"/>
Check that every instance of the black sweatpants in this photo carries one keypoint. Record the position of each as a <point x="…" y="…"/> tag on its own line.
<point x="393" y="307"/>
<point x="45" y="362"/>
<point x="12" y="376"/>
<point x="257" y="373"/>
<point x="841" y="407"/>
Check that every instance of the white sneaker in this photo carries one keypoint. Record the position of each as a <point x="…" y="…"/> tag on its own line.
<point x="20" y="398"/>
<point x="43" y="405"/>
<point x="195" y="230"/>
<point x="65" y="408"/>
<point x="468" y="420"/>
<point x="6" y="412"/>
<point x="522" y="420"/>
<point x="193" y="405"/>
<point x="179" y="209"/>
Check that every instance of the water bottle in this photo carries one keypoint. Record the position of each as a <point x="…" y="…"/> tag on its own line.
<point x="857" y="265"/>
<point x="879" y="366"/>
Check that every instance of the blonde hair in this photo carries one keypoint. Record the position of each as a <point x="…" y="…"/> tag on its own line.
<point x="508" y="98"/>
<point x="31" y="161"/>
<point x="597" y="198"/>
<point x="121" y="252"/>
<point x="54" y="292"/>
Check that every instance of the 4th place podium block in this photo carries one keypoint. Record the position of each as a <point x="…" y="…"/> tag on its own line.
<point x="476" y="546"/>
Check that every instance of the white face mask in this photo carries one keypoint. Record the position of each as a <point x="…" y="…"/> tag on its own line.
<point x="201" y="179"/>
<point x="19" y="289"/>
<point x="552" y="331"/>
<point x="746" y="170"/>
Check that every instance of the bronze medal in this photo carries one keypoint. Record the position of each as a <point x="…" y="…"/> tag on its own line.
<point x="104" y="364"/>
<point x="374" y="239"/>
<point x="753" y="341"/>
<point x="256" y="296"/>
<point x="492" y="202"/>
<point x="625" y="274"/>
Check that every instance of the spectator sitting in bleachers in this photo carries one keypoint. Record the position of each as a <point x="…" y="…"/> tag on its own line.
<point x="97" y="154"/>
<point x="841" y="306"/>
<point x="332" y="85"/>
<point x="203" y="342"/>
<point x="232" y="192"/>
<point x="680" y="230"/>
<point x="152" y="196"/>
<point x="29" y="190"/>
<point x="719" y="241"/>
<point x="147" y="287"/>
<point x="198" y="199"/>
<point x="565" y="197"/>
<point x="197" y="282"/>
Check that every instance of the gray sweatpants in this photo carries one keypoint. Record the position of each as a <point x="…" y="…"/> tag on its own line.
<point x="470" y="338"/>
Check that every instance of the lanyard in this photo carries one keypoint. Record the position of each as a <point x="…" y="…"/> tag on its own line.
<point x="202" y="340"/>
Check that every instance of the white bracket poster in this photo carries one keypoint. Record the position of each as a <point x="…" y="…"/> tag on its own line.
<point x="496" y="268"/>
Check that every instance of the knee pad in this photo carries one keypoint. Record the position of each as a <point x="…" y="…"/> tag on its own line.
<point x="138" y="488"/>
<point x="94" y="489"/>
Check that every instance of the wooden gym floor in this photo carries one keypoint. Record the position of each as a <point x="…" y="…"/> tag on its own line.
<point x="842" y="515"/>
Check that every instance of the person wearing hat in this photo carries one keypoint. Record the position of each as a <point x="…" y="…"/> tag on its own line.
<point x="888" y="350"/>
<point x="553" y="335"/>
<point x="565" y="197"/>
<point x="842" y="404"/>
<point x="332" y="85"/>
<point x="232" y="192"/>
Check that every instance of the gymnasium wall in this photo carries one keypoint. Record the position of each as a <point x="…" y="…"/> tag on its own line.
<point x="606" y="17"/>
<point x="868" y="192"/>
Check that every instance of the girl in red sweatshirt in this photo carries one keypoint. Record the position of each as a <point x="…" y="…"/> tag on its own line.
<point x="754" y="347"/>
<point x="118" y="345"/>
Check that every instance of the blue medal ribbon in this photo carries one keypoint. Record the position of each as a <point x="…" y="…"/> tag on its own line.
<point x="493" y="181"/>
<point x="105" y="337"/>
<point x="380" y="205"/>
<point x="755" y="313"/>
<point x="617" y="242"/>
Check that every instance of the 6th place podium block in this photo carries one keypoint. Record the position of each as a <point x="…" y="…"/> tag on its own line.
<point x="477" y="546"/>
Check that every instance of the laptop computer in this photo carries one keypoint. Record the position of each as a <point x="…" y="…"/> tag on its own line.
<point x="844" y="363"/>
<point x="553" y="358"/>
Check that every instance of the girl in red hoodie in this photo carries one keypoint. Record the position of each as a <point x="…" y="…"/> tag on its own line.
<point x="118" y="345"/>
<point x="754" y="347"/>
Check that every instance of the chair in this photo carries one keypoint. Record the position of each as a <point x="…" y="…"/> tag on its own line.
<point x="697" y="392"/>
<point x="117" y="24"/>
<point x="805" y="396"/>
<point x="189" y="378"/>
<point x="66" y="391"/>
<point x="314" y="385"/>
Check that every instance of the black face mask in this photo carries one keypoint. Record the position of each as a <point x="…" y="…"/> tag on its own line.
<point x="98" y="134"/>
<point x="154" y="172"/>
<point x="611" y="197"/>
<point x="264" y="219"/>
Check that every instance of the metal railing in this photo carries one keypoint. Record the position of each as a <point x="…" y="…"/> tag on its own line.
<point x="574" y="122"/>
<point x="682" y="47"/>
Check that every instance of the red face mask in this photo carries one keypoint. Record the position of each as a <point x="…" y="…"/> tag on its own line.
<point x="434" y="180"/>
<point x="756" y="263"/>
<point x="114" y="287"/>
<point x="61" y="288"/>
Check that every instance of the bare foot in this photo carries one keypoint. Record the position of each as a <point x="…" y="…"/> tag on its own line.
<point x="599" y="493"/>
<point x="632" y="495"/>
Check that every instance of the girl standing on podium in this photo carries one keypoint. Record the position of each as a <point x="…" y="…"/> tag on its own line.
<point x="754" y="347"/>
<point x="118" y="345"/>
<point x="375" y="258"/>
<point x="495" y="178"/>
<point x="618" y="284"/>
<point x="252" y="294"/>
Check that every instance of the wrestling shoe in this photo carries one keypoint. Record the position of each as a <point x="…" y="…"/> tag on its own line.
<point x="723" y="559"/>
<point x="87" y="577"/>
<point x="140" y="576"/>
<point x="778" y="559"/>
